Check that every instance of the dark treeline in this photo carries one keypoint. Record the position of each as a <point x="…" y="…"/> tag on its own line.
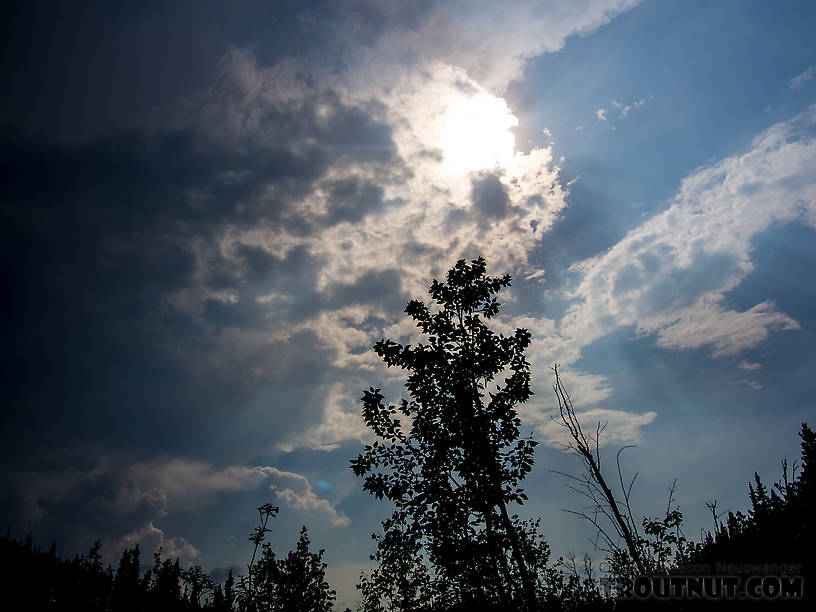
<point x="779" y="526"/>
<point x="777" y="530"/>
<point x="40" y="580"/>
<point x="775" y="538"/>
<point x="452" y="461"/>
<point x="763" y="552"/>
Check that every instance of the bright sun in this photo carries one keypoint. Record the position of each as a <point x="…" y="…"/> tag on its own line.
<point x="475" y="134"/>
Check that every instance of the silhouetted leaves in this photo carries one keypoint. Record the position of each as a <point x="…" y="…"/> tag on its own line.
<point x="44" y="581"/>
<point x="451" y="457"/>
<point x="296" y="583"/>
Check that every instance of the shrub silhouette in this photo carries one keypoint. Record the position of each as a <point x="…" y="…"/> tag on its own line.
<point x="296" y="583"/>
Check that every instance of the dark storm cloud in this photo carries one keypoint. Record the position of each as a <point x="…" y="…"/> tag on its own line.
<point x="77" y="68"/>
<point x="368" y="21"/>
<point x="379" y="288"/>
<point x="350" y="199"/>
<point x="75" y="505"/>
<point x="491" y="203"/>
<point x="489" y="197"/>
<point x="296" y="274"/>
<point x="101" y="239"/>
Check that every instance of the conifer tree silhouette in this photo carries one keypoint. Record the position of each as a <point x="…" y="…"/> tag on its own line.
<point x="127" y="586"/>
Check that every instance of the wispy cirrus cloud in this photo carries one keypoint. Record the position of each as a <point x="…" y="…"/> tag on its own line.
<point x="803" y="77"/>
<point x="623" y="111"/>
<point x="749" y="366"/>
<point x="614" y="427"/>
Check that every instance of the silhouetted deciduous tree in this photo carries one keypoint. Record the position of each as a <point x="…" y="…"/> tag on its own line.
<point x="401" y="580"/>
<point x="197" y="584"/>
<point x="451" y="458"/>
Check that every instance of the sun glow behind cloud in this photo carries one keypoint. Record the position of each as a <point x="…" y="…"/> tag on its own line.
<point x="475" y="134"/>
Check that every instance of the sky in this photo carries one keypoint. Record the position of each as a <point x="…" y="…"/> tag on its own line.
<point x="211" y="211"/>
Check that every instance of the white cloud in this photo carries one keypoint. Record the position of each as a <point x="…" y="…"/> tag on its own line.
<point x="454" y="52"/>
<point x="151" y="538"/>
<point x="626" y="109"/>
<point x="296" y="491"/>
<point x="753" y="384"/>
<point x="181" y="483"/>
<point x="429" y="220"/>
<point x="749" y="366"/>
<point x="669" y="275"/>
<point x="341" y="420"/>
<point x="623" y="110"/>
<point x="619" y="428"/>
<point x="799" y="80"/>
<point x="473" y="35"/>
<point x="434" y="207"/>
<point x="728" y="332"/>
<point x="307" y="500"/>
<point x="133" y="500"/>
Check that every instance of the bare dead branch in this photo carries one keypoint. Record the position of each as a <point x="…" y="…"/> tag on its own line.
<point x="594" y="486"/>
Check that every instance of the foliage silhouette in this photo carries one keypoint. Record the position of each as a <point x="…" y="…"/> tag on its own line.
<point x="451" y="459"/>
<point x="45" y="581"/>
<point x="41" y="580"/>
<point x="778" y="528"/>
<point x="296" y="583"/>
<point x="778" y="531"/>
